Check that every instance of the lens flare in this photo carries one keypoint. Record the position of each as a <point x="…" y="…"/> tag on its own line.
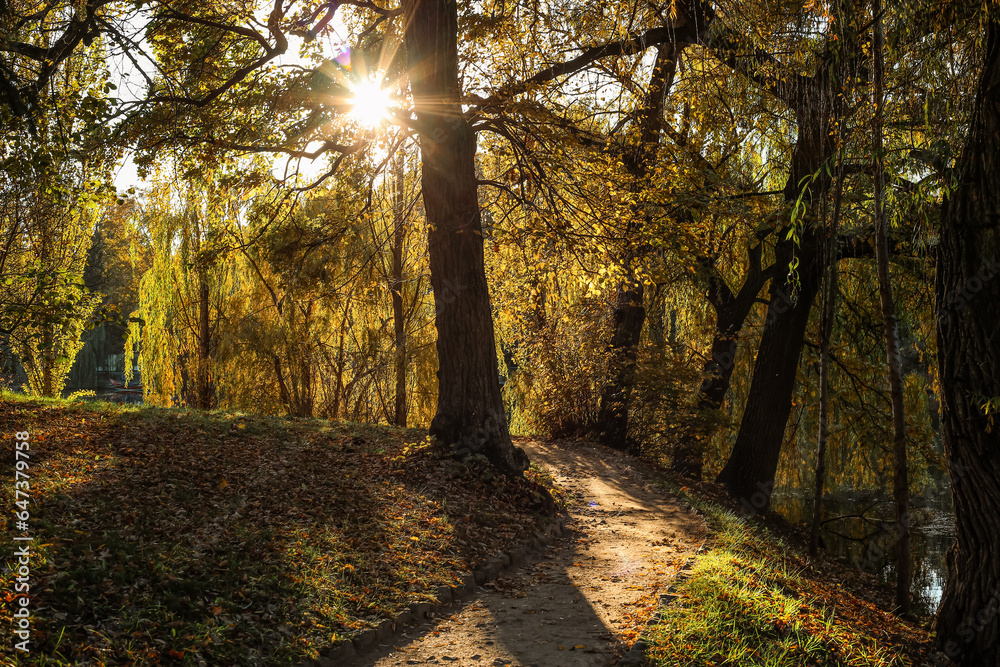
<point x="370" y="104"/>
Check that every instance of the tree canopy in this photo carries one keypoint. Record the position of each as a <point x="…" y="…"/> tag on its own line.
<point x="653" y="223"/>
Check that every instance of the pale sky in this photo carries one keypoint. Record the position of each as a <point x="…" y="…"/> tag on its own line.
<point x="130" y="84"/>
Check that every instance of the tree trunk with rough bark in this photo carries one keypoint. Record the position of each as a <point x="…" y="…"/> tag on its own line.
<point x="470" y="416"/>
<point x="731" y="311"/>
<point x="967" y="292"/>
<point x="629" y="315"/>
<point x="749" y="472"/>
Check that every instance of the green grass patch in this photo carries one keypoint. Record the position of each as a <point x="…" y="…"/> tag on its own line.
<point x="753" y="600"/>
<point x="186" y="537"/>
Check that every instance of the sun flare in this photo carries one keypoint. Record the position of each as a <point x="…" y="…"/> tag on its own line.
<point x="370" y="104"/>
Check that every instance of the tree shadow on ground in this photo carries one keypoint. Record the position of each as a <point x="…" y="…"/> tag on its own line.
<point x="591" y="590"/>
<point x="187" y="536"/>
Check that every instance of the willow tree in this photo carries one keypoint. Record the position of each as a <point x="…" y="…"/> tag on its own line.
<point x="818" y="102"/>
<point x="174" y="326"/>
<point x="214" y="89"/>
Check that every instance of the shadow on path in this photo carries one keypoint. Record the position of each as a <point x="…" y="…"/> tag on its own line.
<point x="586" y="599"/>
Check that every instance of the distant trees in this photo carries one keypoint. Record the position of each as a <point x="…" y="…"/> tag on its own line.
<point x="54" y="156"/>
<point x="45" y="303"/>
<point x="300" y="311"/>
<point x="179" y="292"/>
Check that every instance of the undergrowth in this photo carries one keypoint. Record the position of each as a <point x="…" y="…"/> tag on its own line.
<point x="752" y="600"/>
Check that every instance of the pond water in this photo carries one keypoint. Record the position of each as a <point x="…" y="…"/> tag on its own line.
<point x="858" y="528"/>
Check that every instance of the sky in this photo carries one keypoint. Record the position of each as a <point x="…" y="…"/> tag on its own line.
<point x="131" y="87"/>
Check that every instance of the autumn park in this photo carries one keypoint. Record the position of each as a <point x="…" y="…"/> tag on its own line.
<point x="500" y="333"/>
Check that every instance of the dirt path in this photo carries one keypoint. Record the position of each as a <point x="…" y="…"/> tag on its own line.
<point x="586" y="599"/>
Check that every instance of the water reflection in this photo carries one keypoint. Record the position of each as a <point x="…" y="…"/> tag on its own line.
<point x="858" y="527"/>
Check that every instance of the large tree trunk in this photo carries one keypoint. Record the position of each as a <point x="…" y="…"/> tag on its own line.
<point x="967" y="293"/>
<point x="900" y="478"/>
<point x="470" y="415"/>
<point x="629" y="314"/>
<point x="655" y="316"/>
<point x="731" y="311"/>
<point x="749" y="472"/>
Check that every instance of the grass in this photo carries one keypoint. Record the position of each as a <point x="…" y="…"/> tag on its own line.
<point x="186" y="537"/>
<point x="753" y="600"/>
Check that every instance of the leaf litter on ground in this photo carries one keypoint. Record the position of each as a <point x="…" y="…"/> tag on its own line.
<point x="188" y="537"/>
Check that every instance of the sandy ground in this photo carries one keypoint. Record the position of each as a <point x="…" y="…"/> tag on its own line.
<point x="582" y="602"/>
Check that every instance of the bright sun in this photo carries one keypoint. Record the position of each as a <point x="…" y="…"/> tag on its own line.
<point x="370" y="104"/>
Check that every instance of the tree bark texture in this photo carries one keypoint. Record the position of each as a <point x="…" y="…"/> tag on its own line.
<point x="967" y="295"/>
<point x="629" y="315"/>
<point x="750" y="471"/>
<point x="470" y="416"/>
<point x="731" y="311"/>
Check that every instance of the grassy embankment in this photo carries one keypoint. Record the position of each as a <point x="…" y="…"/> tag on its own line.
<point x="756" y="599"/>
<point x="185" y="537"/>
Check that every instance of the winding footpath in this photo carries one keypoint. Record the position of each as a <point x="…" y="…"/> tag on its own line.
<point x="583" y="601"/>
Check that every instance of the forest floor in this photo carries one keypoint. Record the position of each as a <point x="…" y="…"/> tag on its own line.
<point x="590" y="595"/>
<point x="189" y="538"/>
<point x="748" y="594"/>
<point x="755" y="597"/>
